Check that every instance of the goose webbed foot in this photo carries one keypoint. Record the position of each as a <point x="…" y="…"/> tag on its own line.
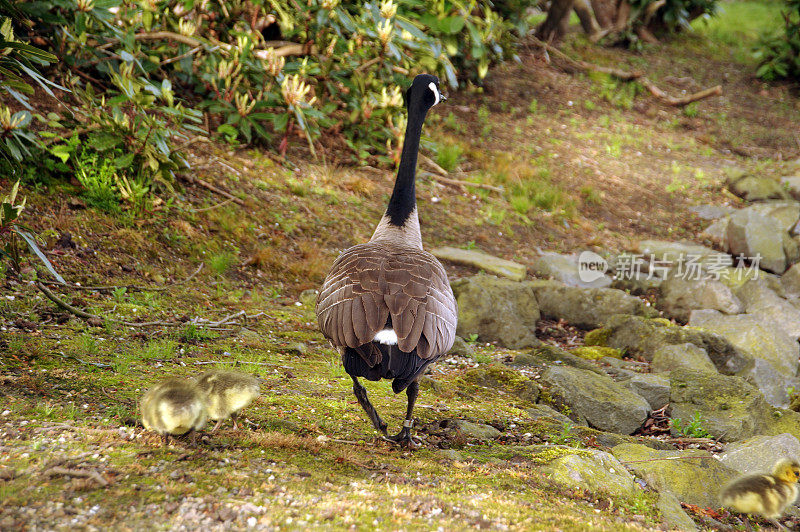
<point x="404" y="438"/>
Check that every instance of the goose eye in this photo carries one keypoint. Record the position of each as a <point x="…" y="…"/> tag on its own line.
<point x="436" y="96"/>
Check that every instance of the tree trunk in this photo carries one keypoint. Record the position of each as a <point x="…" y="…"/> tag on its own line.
<point x="555" y="25"/>
<point x="605" y="12"/>
<point x="584" y="11"/>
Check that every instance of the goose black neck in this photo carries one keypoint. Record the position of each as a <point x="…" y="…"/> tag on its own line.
<point x="404" y="196"/>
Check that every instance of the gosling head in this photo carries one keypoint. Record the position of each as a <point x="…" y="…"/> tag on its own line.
<point x="424" y="93"/>
<point x="787" y="470"/>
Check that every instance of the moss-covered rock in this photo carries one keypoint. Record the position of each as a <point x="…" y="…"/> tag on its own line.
<point x="497" y="310"/>
<point x="602" y="402"/>
<point x="756" y="188"/>
<point x="689" y="356"/>
<point x="546" y="355"/>
<point x="470" y="430"/>
<point x="774" y="354"/>
<point x="460" y="347"/>
<point x="764" y="304"/>
<point x="672" y="513"/>
<point x="499" y="377"/>
<point x="587" y="307"/>
<point x="593" y="470"/>
<point x="692" y="475"/>
<point x="654" y="388"/>
<point x="759" y="453"/>
<point x="639" y="336"/>
<point x="596" y="352"/>
<point x="752" y="234"/>
<point x="679" y="296"/>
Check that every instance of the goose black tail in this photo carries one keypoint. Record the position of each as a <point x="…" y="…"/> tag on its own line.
<point x="401" y="367"/>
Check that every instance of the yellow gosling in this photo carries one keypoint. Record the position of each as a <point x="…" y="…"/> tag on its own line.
<point x="227" y="393"/>
<point x="174" y="407"/>
<point x="765" y="495"/>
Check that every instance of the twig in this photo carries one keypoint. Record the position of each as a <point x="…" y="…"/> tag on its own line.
<point x="284" y="50"/>
<point x="207" y="362"/>
<point x="630" y="76"/>
<point x="220" y="204"/>
<point x="430" y="162"/>
<point x="212" y="188"/>
<point x="443" y="177"/>
<point x="182" y="56"/>
<point x="666" y="458"/>
<point x="84" y="362"/>
<point x="92" y="474"/>
<point x="129" y="286"/>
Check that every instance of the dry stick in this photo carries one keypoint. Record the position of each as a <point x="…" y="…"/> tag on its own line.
<point x="92" y="474"/>
<point x="220" y="204"/>
<point x="443" y="177"/>
<point x="281" y="51"/>
<point x="207" y="362"/>
<point x="631" y="76"/>
<point x="212" y="188"/>
<point x="129" y="286"/>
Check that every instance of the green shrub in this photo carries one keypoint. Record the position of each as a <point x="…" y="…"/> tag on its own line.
<point x="779" y="52"/>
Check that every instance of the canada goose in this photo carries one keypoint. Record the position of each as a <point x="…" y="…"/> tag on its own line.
<point x="227" y="392"/>
<point x="173" y="406"/>
<point x="767" y="495"/>
<point x="387" y="305"/>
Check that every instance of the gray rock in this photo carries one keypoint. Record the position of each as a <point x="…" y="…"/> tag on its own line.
<point x="604" y="403"/>
<point x="677" y="472"/>
<point x="759" y="453"/>
<point x="681" y="252"/>
<point x="711" y="212"/>
<point x="717" y="232"/>
<point x="774" y="354"/>
<point x="791" y="281"/>
<point x="752" y="234"/>
<point x="654" y="388"/>
<point x="544" y="412"/>
<point x="785" y="213"/>
<point x="792" y="185"/>
<point x="642" y="337"/>
<point x="476" y="431"/>
<point x="764" y="305"/>
<point x="756" y="188"/>
<point x="590" y="469"/>
<point x="500" y="377"/>
<point x="587" y="307"/>
<point x="460" y="347"/>
<point x="687" y="356"/>
<point x="547" y="355"/>
<point x="672" y="513"/>
<point x="729" y="408"/>
<point x="564" y="268"/>
<point x="497" y="310"/>
<point x="679" y="296"/>
<point x="513" y="270"/>
<point x="791" y="248"/>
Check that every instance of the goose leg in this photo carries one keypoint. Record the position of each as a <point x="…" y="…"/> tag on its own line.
<point x="404" y="436"/>
<point x="361" y="394"/>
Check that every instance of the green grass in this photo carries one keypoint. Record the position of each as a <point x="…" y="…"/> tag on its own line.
<point x="737" y="27"/>
<point x="448" y="156"/>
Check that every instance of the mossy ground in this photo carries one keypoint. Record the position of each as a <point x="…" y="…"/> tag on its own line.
<point x="583" y="162"/>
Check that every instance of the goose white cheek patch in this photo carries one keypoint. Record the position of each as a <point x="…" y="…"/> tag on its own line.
<point x="432" y="86"/>
<point x="386" y="337"/>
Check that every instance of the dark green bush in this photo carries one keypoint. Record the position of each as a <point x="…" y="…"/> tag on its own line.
<point x="779" y="52"/>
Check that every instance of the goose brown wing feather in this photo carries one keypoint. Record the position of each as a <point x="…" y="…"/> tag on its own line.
<point x="370" y="282"/>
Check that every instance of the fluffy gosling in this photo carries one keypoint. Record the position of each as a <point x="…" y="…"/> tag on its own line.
<point x="227" y="393"/>
<point x="766" y="495"/>
<point x="174" y="407"/>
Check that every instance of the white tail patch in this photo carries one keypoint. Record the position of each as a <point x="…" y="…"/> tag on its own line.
<point x="386" y="337"/>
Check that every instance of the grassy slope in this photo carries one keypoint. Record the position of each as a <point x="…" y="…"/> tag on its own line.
<point x="582" y="164"/>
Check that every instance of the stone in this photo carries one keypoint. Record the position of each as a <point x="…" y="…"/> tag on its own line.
<point x="759" y="453"/>
<point x="790" y="281"/>
<point x="681" y="252"/>
<point x="785" y="213"/>
<point x="653" y="388"/>
<point x="766" y="306"/>
<point x="596" y="352"/>
<point x="679" y="296"/>
<point x="499" y="377"/>
<point x="688" y="356"/>
<point x="691" y="475"/>
<point x="548" y="355"/>
<point x="791" y="248"/>
<point x="729" y="408"/>
<point x="643" y="337"/>
<point x="756" y="188"/>
<point x="672" y="513"/>
<point x="489" y="263"/>
<point x="587" y="307"/>
<point x="711" y="212"/>
<point x="462" y="348"/>
<point x="475" y="431"/>
<point x="564" y="268"/>
<point x="602" y="402"/>
<point x="544" y="412"/>
<point x="717" y="232"/>
<point x="497" y="310"/>
<point x="752" y="234"/>
<point x="774" y="354"/>
<point x="593" y="470"/>
<point x="792" y="185"/>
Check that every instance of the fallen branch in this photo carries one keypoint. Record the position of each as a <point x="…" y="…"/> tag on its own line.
<point x="212" y="188"/>
<point x="443" y="177"/>
<point x="629" y="76"/>
<point x="207" y="362"/>
<point x="128" y="286"/>
<point x="92" y="474"/>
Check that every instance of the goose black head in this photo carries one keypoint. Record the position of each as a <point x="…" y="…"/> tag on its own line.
<point x="424" y="93"/>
